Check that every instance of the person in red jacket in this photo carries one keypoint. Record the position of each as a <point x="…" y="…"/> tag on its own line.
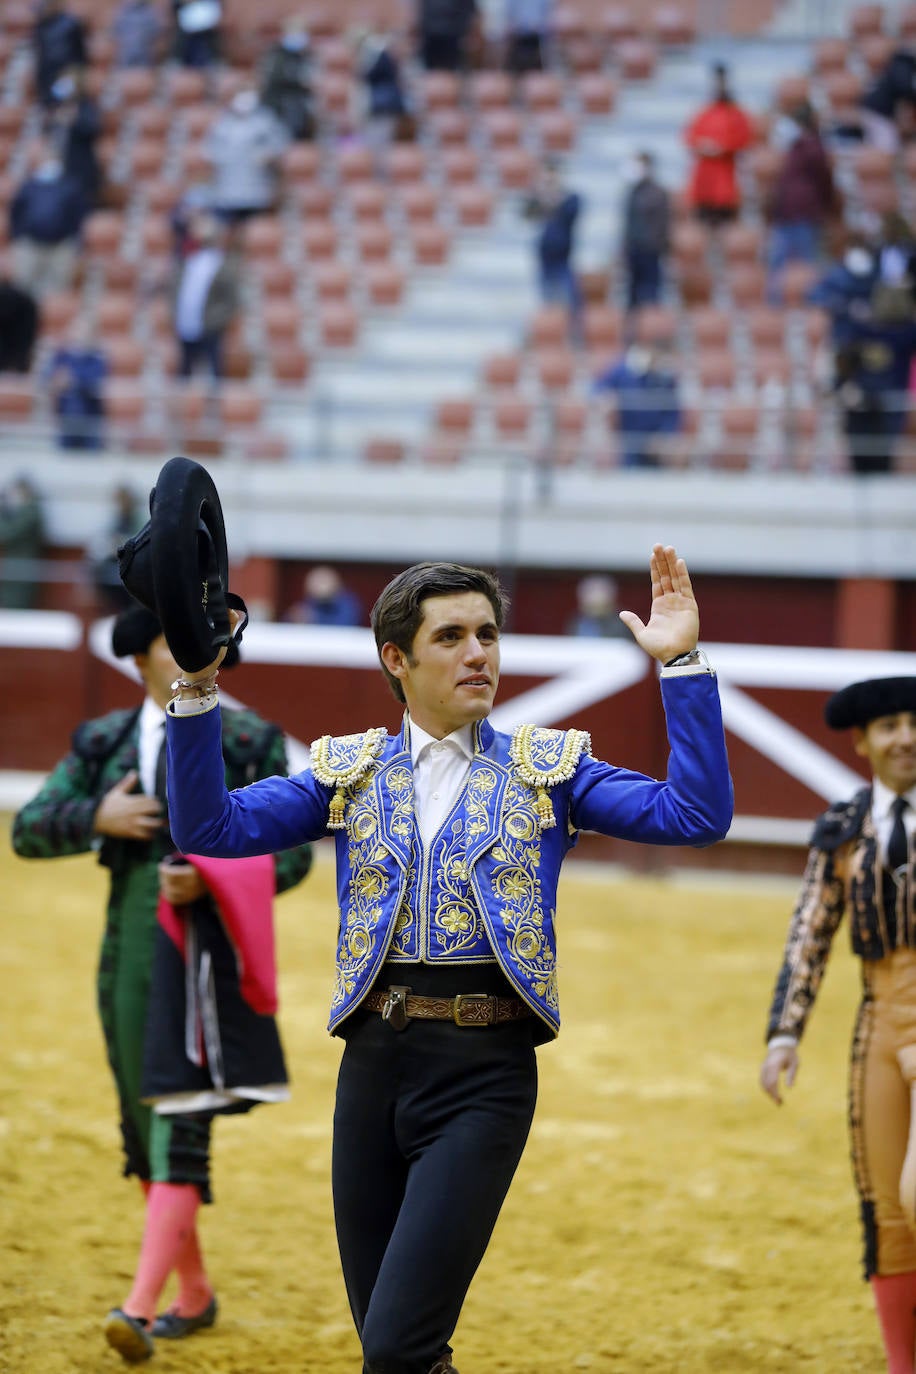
<point x="716" y="135"/>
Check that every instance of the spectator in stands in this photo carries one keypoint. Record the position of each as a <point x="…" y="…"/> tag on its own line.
<point x="18" y="323"/>
<point x="846" y="287"/>
<point x="58" y="42"/>
<point x="46" y="215"/>
<point x="889" y="104"/>
<point x="245" y="146"/>
<point x="895" y="290"/>
<point x="646" y="233"/>
<point x="716" y="135"/>
<point x="74" y="125"/>
<point x="557" y="209"/>
<point x="803" y="198"/>
<point x="126" y="518"/>
<point x="75" y="374"/>
<point x="443" y="27"/>
<point x="326" y="601"/>
<point x="197" y="31"/>
<point x="205" y="295"/>
<point x="597" y="615"/>
<point x="286" y="80"/>
<point x="387" y="108"/>
<point x="137" y="29"/>
<point x="22" y="543"/>
<point x="872" y="370"/>
<point x="648" y="412"/>
<point x="527" y="29"/>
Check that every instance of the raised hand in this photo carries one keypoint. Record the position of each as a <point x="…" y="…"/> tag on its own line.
<point x="673" y="627"/>
<point x="127" y="814"/>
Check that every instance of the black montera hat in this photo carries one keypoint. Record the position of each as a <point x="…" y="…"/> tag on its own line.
<point x="178" y="565"/>
<point x="861" y="702"/>
<point x="135" y="629"/>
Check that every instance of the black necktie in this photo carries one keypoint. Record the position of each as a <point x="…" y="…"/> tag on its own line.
<point x="897" y="847"/>
<point x="162" y="793"/>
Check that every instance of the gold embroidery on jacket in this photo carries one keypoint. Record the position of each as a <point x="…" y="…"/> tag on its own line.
<point x="339" y="761"/>
<point x="517" y="889"/>
<point x="368" y="888"/>
<point x="543" y="758"/>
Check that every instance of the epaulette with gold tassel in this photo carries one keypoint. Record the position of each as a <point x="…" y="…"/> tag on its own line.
<point x="339" y="761"/>
<point x="543" y="758"/>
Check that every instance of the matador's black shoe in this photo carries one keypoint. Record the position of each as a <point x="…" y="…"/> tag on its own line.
<point x="171" y="1326"/>
<point x="130" y="1336"/>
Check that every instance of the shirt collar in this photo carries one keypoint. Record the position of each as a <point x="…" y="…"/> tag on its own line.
<point x="882" y="799"/>
<point x="461" y="739"/>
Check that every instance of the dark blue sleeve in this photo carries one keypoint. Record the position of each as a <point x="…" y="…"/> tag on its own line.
<point x="693" y="805"/>
<point x="263" y="818"/>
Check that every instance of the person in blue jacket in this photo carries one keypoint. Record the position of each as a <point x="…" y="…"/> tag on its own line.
<point x="449" y="836"/>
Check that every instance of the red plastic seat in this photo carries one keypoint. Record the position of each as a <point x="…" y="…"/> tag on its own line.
<point x="502" y="371"/>
<point x="597" y="93"/>
<point x="374" y="242"/>
<point x="301" y="161"/>
<point x="715" y="369"/>
<point x="134" y="86"/>
<point x="338" y="324"/>
<point x="516" y="168"/>
<point x="542" y="91"/>
<point x="473" y="205"/>
<point x="549" y="327"/>
<point x="115" y="312"/>
<point x="490" y="90"/>
<point x="281" y="320"/>
<point x="354" y="163"/>
<point x="555" y="368"/>
<point x="450" y="127"/>
<point x="385" y="283"/>
<point x="368" y="200"/>
<point x="405" y="163"/>
<point x="460" y="166"/>
<point x="866" y="19"/>
<point x="766" y="327"/>
<point x="275" y="277"/>
<point x="430" y="244"/>
<point x="512" y="416"/>
<point x="556" y="130"/>
<point x="672" y="26"/>
<point x="439" y="90"/>
<point x="420" y="203"/>
<point x="637" y="59"/>
<point x="331" y="281"/>
<point x="455" y="416"/>
<point x="240" y="406"/>
<point x="711" y="327"/>
<point x="103" y="233"/>
<point x="741" y="243"/>
<point x="288" y="361"/>
<point x="319" y="240"/>
<point x="383" y="451"/>
<point x="262" y="237"/>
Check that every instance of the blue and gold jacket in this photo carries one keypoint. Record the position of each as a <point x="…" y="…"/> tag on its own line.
<point x="486" y="886"/>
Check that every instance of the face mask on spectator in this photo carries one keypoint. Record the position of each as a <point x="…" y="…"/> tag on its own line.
<point x="295" y="42"/>
<point x="244" y="102"/>
<point x="49" y="170"/>
<point x="858" y="261"/>
<point x="64" y="87"/>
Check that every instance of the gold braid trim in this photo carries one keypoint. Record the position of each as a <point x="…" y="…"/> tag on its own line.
<point x="543" y="758"/>
<point x="339" y="761"/>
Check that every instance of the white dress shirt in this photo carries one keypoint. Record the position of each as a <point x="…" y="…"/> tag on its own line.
<point x="440" y="771"/>
<point x="199" y="270"/>
<point x="152" y="733"/>
<point x="882" y="799"/>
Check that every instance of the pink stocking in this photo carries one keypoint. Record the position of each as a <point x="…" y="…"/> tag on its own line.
<point x="895" y="1299"/>
<point x="194" y="1291"/>
<point x="171" y="1209"/>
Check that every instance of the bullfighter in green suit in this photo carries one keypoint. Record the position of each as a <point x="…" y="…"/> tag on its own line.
<point x="105" y="794"/>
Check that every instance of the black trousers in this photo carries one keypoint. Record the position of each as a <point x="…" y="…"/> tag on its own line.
<point x="429" y="1127"/>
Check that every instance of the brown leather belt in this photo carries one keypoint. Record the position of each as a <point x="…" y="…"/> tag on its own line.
<point x="397" y="1005"/>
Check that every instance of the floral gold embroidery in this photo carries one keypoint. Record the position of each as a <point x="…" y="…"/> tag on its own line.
<point x="543" y="758"/>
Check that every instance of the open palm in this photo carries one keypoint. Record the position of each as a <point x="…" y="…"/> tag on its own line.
<point x="673" y="627"/>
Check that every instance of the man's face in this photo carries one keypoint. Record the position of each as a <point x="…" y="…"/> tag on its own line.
<point x="889" y="744"/>
<point x="158" y="670"/>
<point x="450" y="677"/>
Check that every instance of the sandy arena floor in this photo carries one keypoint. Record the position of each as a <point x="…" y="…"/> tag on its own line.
<point x="666" y="1218"/>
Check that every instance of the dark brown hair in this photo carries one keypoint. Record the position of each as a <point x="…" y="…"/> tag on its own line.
<point x="397" y="614"/>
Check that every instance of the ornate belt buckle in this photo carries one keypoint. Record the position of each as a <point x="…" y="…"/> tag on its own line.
<point x="479" y="1001"/>
<point x="395" y="1009"/>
